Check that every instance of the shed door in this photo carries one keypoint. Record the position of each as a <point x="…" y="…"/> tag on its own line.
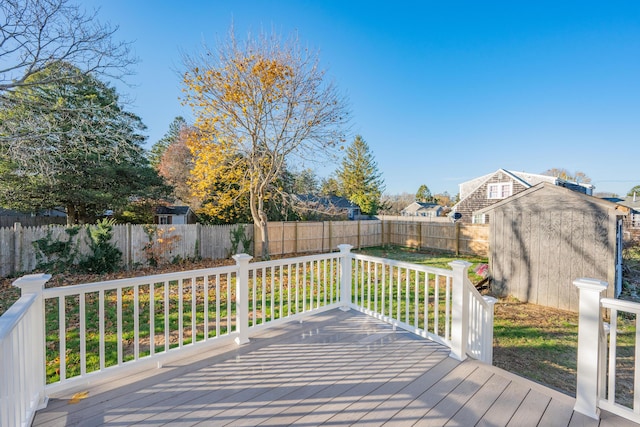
<point x="619" y="243"/>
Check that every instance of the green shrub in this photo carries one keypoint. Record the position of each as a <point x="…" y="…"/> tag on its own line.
<point x="105" y="257"/>
<point x="238" y="237"/>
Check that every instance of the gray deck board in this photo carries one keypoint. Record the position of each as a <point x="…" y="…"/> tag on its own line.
<point x="335" y="368"/>
<point x="479" y="403"/>
<point x="530" y="410"/>
<point x="505" y="406"/>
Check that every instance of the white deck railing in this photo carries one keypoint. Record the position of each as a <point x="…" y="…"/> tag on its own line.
<point x="21" y="356"/>
<point x="427" y="301"/>
<point x="610" y="362"/>
<point x="56" y="338"/>
<point x="599" y="360"/>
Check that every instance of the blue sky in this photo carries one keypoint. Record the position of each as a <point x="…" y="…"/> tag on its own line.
<point x="442" y="92"/>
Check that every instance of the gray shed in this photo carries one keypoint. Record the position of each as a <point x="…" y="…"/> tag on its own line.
<point x="545" y="237"/>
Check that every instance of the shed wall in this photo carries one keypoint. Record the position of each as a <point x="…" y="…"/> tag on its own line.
<point x="539" y="246"/>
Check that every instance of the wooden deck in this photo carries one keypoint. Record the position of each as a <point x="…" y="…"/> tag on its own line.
<point x="335" y="368"/>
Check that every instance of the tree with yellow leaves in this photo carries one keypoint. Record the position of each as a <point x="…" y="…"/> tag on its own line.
<point x="258" y="104"/>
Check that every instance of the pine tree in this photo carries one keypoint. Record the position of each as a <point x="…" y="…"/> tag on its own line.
<point x="173" y="135"/>
<point x="360" y="180"/>
<point x="424" y="194"/>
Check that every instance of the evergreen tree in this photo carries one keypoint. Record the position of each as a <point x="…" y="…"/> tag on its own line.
<point x="177" y="126"/>
<point x="424" y="194"/>
<point x="330" y="187"/>
<point x="635" y="190"/>
<point x="360" y="180"/>
<point x="81" y="150"/>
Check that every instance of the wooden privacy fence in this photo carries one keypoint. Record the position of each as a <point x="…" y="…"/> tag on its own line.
<point x="470" y="239"/>
<point x="305" y="237"/>
<point x="137" y="243"/>
<point x="166" y="243"/>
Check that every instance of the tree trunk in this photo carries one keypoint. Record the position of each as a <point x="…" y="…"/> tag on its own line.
<point x="71" y="214"/>
<point x="264" y="229"/>
<point x="260" y="220"/>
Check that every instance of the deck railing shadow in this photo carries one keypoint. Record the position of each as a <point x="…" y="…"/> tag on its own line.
<point x="57" y="338"/>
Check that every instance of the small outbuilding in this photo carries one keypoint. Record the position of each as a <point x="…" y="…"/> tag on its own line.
<point x="174" y="215"/>
<point x="545" y="237"/>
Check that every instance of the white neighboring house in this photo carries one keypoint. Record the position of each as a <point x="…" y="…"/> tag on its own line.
<point x="427" y="210"/>
<point x="174" y="215"/>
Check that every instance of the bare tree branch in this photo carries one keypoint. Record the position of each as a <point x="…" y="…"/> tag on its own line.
<point x="37" y="33"/>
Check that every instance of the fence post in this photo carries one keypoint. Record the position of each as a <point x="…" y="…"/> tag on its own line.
<point x="345" y="276"/>
<point x="242" y="298"/>
<point x="589" y="327"/>
<point x="459" y="310"/>
<point x="17" y="248"/>
<point x="129" y="245"/>
<point x="34" y="284"/>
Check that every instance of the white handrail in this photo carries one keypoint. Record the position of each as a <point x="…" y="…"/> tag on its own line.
<point x="21" y="355"/>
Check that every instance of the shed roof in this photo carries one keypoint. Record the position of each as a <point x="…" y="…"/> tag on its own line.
<point x="556" y="191"/>
<point x="172" y="210"/>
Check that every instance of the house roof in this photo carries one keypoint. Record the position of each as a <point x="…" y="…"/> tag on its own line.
<point x="557" y="191"/>
<point x="172" y="210"/>
<point x="526" y="179"/>
<point x="327" y="201"/>
<point x="628" y="201"/>
<point x="421" y="207"/>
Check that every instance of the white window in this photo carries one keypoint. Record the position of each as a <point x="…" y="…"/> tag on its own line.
<point x="479" y="219"/>
<point x="499" y="190"/>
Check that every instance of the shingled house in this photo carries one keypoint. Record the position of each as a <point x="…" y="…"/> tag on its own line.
<point x="486" y="190"/>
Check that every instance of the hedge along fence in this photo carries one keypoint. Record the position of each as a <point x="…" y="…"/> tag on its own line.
<point x="174" y="242"/>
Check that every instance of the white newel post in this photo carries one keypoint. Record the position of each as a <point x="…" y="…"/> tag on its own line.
<point x="34" y="284"/>
<point x="242" y="298"/>
<point x="487" y="333"/>
<point x="588" y="346"/>
<point x="345" y="276"/>
<point x="459" y="310"/>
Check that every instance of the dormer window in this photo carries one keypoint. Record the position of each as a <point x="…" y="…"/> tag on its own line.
<point x="499" y="190"/>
